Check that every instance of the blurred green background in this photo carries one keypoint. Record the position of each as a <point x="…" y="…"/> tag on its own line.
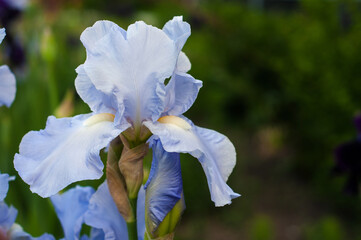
<point x="280" y="79"/>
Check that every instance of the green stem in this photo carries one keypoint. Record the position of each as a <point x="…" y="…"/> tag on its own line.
<point x="132" y="226"/>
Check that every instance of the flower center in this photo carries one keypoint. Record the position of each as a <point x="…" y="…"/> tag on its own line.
<point x="174" y="120"/>
<point x="97" y="118"/>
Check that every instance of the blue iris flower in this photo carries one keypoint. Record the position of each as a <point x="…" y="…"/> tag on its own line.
<point x="123" y="82"/>
<point x="7" y="81"/>
<point x="9" y="230"/>
<point x="82" y="205"/>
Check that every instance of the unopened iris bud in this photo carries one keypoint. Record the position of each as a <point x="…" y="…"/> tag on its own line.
<point x="116" y="183"/>
<point x="131" y="166"/>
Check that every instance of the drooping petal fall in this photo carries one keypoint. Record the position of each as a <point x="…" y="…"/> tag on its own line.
<point x="66" y="151"/>
<point x="214" y="151"/>
<point x="164" y="186"/>
<point x="70" y="208"/>
<point x="103" y="214"/>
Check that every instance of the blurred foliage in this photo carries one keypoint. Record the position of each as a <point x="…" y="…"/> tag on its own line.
<point x="283" y="85"/>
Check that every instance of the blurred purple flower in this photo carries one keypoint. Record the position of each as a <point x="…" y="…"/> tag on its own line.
<point x="10" y="10"/>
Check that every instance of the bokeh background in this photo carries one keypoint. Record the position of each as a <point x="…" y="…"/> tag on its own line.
<point x="280" y="78"/>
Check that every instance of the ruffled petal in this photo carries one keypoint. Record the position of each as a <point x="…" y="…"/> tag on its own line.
<point x="7" y="86"/>
<point x="133" y="68"/>
<point x="181" y="93"/>
<point x="214" y="151"/>
<point x="4" y="185"/>
<point x="65" y="152"/>
<point x="164" y="186"/>
<point x="97" y="100"/>
<point x="91" y="35"/>
<point x="70" y="208"/>
<point x="2" y="34"/>
<point x="177" y="30"/>
<point x="7" y="217"/>
<point x="103" y="214"/>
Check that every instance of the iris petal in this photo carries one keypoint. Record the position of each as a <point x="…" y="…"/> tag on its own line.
<point x="133" y="68"/>
<point x="65" y="152"/>
<point x="97" y="100"/>
<point x="103" y="214"/>
<point x="91" y="35"/>
<point x="181" y="93"/>
<point x="214" y="151"/>
<point x="7" y="216"/>
<point x="7" y="86"/>
<point x="4" y="185"/>
<point x="177" y="30"/>
<point x="70" y="208"/>
<point x="164" y="186"/>
<point x="2" y="34"/>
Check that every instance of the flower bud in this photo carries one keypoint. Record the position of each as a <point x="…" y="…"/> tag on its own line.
<point x="116" y="183"/>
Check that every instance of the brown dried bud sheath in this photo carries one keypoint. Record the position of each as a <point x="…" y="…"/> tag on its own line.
<point x="131" y="166"/>
<point x="116" y="182"/>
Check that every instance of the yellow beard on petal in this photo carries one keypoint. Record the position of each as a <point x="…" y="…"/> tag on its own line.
<point x="97" y="118"/>
<point x="177" y="121"/>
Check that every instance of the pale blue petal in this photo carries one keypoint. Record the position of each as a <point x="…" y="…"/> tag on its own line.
<point x="133" y="68"/>
<point x="70" y="208"/>
<point x="141" y="213"/>
<point x="96" y="234"/>
<point x="7" y="86"/>
<point x="16" y="232"/>
<point x="97" y="100"/>
<point x="177" y="30"/>
<point x="7" y="217"/>
<point x="181" y="93"/>
<point x="164" y="186"/>
<point x="93" y="34"/>
<point x="2" y="34"/>
<point x="183" y="63"/>
<point x="103" y="214"/>
<point x="65" y="152"/>
<point x="214" y="151"/>
<point x="4" y="185"/>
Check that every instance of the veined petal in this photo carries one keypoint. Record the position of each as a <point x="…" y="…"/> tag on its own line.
<point x="65" y="152"/>
<point x="70" y="208"/>
<point x="2" y="34"/>
<point x="92" y="34"/>
<point x="4" y="185"/>
<point x="214" y="151"/>
<point x="103" y="214"/>
<point x="97" y="100"/>
<point x="7" y="217"/>
<point x="7" y="86"/>
<point x="181" y="92"/>
<point x="133" y="68"/>
<point x="177" y="30"/>
<point x="164" y="186"/>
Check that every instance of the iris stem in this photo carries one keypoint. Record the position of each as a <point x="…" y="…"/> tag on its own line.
<point x="132" y="226"/>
